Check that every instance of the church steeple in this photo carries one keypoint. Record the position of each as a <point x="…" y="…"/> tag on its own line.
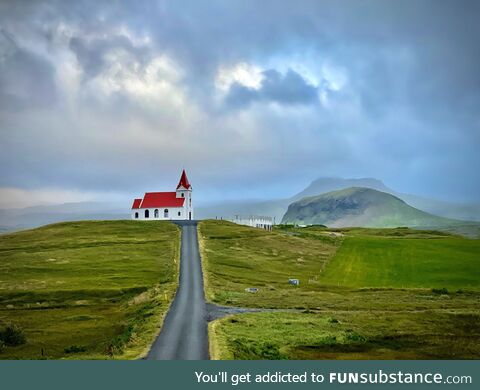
<point x="184" y="190"/>
<point x="184" y="181"/>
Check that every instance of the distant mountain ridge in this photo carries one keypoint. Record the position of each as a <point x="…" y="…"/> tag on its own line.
<point x="359" y="206"/>
<point x="277" y="207"/>
<point x="469" y="212"/>
<point x="15" y="219"/>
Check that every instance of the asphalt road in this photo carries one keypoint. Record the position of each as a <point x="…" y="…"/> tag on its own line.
<point x="184" y="334"/>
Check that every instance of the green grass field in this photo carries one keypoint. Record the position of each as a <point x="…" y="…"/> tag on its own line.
<point x="237" y="257"/>
<point x="403" y="293"/>
<point x="363" y="261"/>
<point x="103" y="286"/>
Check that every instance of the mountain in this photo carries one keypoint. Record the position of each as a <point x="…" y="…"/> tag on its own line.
<point x="328" y="184"/>
<point x="359" y="206"/>
<point x="277" y="207"/>
<point x="445" y="209"/>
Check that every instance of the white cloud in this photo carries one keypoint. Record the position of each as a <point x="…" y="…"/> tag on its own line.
<point x="242" y="73"/>
<point x="155" y="81"/>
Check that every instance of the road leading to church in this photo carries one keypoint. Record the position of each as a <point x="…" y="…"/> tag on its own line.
<point x="184" y="334"/>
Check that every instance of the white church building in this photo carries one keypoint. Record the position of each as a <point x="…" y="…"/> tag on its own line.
<point x="176" y="205"/>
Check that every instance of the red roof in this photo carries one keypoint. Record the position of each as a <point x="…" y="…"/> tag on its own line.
<point x="183" y="181"/>
<point x="136" y="203"/>
<point x="161" y="199"/>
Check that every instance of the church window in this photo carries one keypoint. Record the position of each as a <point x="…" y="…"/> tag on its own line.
<point x="179" y="213"/>
<point x="165" y="213"/>
<point x="136" y="215"/>
<point x="155" y="213"/>
<point x="183" y="195"/>
<point x="147" y="214"/>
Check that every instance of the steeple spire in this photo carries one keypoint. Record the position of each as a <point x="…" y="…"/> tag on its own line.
<point x="184" y="181"/>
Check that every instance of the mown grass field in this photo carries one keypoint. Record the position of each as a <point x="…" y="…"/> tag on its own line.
<point x="363" y="261"/>
<point x="101" y="286"/>
<point x="363" y="294"/>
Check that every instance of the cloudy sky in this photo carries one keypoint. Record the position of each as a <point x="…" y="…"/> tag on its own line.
<point x="106" y="100"/>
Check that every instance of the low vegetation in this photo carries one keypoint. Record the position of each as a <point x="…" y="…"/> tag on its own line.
<point x="348" y="335"/>
<point x="87" y="290"/>
<point x="363" y="293"/>
<point x="12" y="335"/>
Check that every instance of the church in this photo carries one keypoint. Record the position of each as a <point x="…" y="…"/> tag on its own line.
<point x="176" y="205"/>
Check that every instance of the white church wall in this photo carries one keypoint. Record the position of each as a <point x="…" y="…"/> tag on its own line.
<point x="173" y="214"/>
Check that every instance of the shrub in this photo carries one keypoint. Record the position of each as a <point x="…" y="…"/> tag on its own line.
<point x="2" y="345"/>
<point x="332" y="320"/>
<point x="441" y="291"/>
<point x="327" y="340"/>
<point x="118" y="343"/>
<point x="354" y="337"/>
<point x="247" y="350"/>
<point x="12" y="335"/>
<point x="75" y="349"/>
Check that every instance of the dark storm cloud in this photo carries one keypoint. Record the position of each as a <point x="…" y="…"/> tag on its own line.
<point x="395" y="93"/>
<point x="288" y="89"/>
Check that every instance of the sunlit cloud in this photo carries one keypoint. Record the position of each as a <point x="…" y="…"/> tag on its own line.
<point x="245" y="74"/>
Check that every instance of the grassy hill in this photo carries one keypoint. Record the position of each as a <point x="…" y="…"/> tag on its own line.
<point x="466" y="211"/>
<point x="358" y="206"/>
<point x="92" y="289"/>
<point x="363" y="293"/>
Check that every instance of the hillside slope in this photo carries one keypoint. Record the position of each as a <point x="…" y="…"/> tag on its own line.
<point x="463" y="211"/>
<point x="89" y="289"/>
<point x="358" y="206"/>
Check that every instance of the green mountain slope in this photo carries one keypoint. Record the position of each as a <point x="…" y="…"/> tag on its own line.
<point x="358" y="206"/>
<point x="461" y="211"/>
